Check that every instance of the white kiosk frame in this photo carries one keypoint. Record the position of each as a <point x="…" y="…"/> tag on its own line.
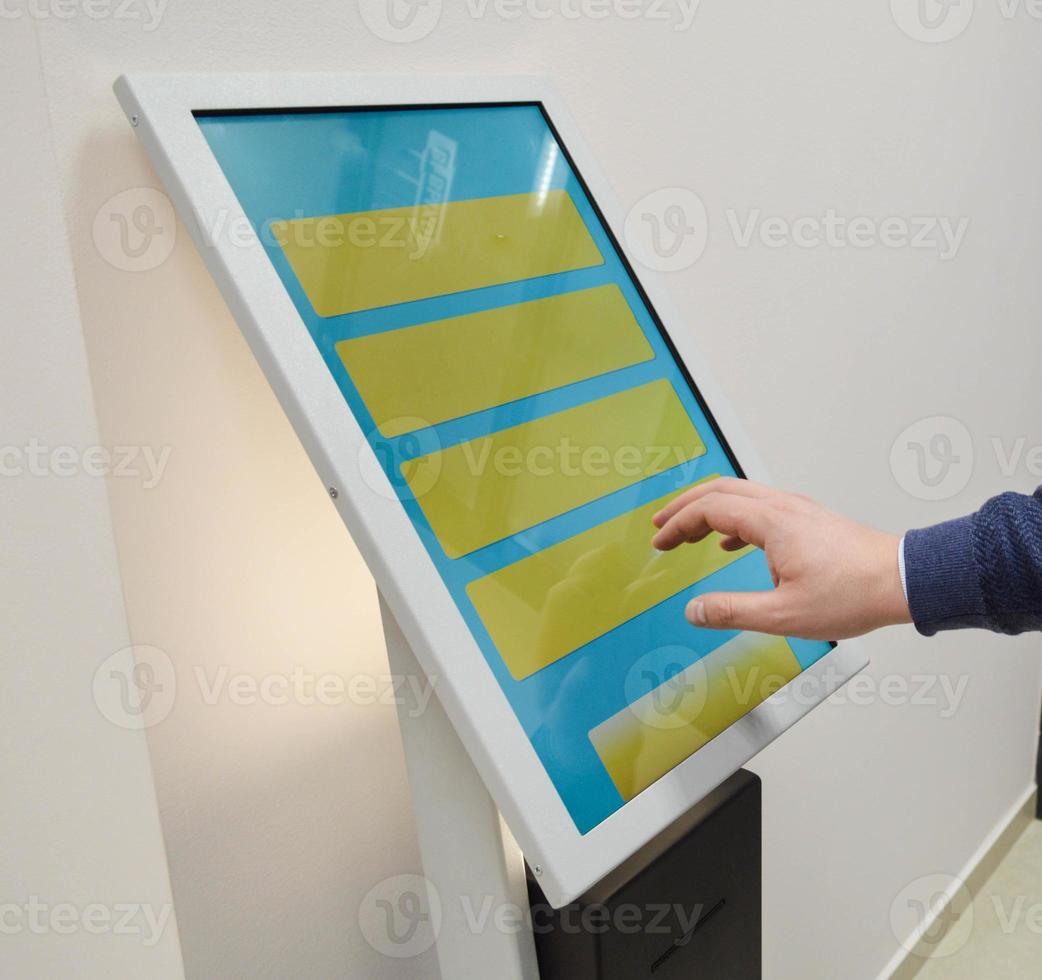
<point x="416" y="600"/>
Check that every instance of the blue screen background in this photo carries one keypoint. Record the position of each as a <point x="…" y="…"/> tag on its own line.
<point x="290" y="165"/>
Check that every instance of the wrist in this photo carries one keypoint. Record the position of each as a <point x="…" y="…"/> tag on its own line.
<point x="893" y="600"/>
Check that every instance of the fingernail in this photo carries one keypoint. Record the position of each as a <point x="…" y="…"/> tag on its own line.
<point x="697" y="613"/>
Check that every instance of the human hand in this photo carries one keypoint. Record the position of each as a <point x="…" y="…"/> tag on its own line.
<point x="834" y="577"/>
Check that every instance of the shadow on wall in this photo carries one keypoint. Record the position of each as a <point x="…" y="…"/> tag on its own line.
<point x="278" y="766"/>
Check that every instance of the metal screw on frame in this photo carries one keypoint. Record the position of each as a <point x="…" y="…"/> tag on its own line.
<point x="334" y="493"/>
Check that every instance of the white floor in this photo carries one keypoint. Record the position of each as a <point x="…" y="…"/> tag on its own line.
<point x="1003" y="937"/>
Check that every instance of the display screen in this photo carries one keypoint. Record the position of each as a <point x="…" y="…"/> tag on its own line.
<point x="529" y="412"/>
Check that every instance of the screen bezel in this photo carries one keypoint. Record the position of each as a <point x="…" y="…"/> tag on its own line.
<point x="164" y="109"/>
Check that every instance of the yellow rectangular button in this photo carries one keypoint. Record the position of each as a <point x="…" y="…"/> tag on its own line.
<point x="543" y="607"/>
<point x="660" y="730"/>
<point x="448" y="368"/>
<point x="487" y="489"/>
<point x="366" y="259"/>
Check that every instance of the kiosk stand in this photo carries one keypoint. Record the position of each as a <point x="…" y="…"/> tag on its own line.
<point x="439" y="292"/>
<point x="687" y="904"/>
<point x="468" y="852"/>
<point x="689" y="900"/>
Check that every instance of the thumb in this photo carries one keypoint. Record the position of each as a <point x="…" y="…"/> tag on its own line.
<point x="757" y="611"/>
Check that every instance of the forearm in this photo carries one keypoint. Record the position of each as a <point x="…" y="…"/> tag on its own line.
<point x="983" y="570"/>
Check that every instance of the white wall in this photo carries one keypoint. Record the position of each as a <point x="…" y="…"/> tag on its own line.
<point x="278" y="819"/>
<point x="84" y="889"/>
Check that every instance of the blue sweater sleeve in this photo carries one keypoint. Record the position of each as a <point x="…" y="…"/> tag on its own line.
<point x="982" y="571"/>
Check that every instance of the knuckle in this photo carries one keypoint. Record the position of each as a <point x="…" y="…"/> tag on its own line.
<point x="723" y="506"/>
<point x="693" y="515"/>
<point x="723" y="611"/>
<point x="781" y="619"/>
<point x="686" y="520"/>
<point x="797" y="503"/>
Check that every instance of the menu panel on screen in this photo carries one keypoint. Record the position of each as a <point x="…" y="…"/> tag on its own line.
<point x="528" y="412"/>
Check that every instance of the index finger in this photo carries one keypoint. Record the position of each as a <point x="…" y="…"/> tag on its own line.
<point x="720" y="484"/>
<point x="748" y="518"/>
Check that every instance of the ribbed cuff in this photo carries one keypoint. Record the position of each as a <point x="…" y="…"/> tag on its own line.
<point x="941" y="577"/>
<point x="901" y="567"/>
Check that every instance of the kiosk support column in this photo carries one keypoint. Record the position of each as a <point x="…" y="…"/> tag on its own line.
<point x="468" y="854"/>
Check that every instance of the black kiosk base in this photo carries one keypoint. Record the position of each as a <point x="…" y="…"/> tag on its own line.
<point x="687" y="905"/>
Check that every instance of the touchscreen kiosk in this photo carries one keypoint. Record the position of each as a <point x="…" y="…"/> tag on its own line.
<point x="481" y="376"/>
